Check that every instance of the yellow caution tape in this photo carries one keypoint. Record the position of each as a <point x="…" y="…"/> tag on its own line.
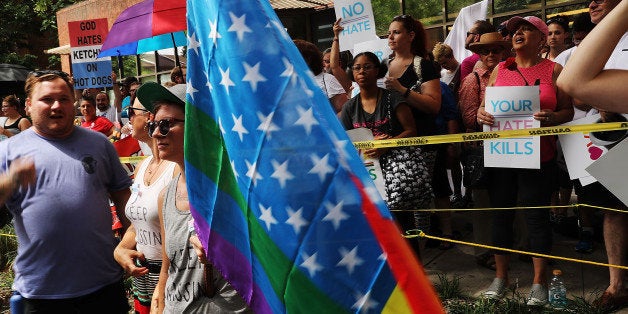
<point x="418" y="233"/>
<point x="480" y="136"/>
<point x="8" y="235"/>
<point x="132" y="160"/>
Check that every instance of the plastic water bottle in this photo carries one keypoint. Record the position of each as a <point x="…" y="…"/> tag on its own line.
<point x="557" y="291"/>
<point x="16" y="303"/>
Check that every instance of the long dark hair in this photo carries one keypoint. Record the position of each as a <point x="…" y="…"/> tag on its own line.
<point x="419" y="43"/>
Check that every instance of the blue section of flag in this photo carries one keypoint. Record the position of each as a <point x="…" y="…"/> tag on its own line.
<point x="291" y="157"/>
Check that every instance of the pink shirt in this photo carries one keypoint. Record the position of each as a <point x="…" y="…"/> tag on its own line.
<point x="544" y="72"/>
<point x="470" y="97"/>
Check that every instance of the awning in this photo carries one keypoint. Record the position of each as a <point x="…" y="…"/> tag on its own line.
<point x="301" y="4"/>
<point x="62" y="50"/>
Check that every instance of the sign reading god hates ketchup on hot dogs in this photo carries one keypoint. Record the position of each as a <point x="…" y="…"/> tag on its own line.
<point x="513" y="108"/>
<point x="86" y="39"/>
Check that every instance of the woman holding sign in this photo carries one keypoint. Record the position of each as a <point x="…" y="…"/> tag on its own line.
<point x="388" y="116"/>
<point x="531" y="187"/>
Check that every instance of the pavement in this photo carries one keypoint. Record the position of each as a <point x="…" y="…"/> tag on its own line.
<point x="582" y="280"/>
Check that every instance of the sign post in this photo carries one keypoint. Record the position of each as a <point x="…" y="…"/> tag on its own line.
<point x="86" y="39"/>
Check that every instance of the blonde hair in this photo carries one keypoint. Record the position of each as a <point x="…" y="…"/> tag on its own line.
<point x="442" y="50"/>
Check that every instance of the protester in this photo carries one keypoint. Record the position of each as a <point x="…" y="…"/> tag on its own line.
<point x="491" y="48"/>
<point x="336" y="62"/>
<point x="479" y="28"/>
<point x="328" y="83"/>
<point x="139" y="252"/>
<point x="91" y="120"/>
<point x="177" y="75"/>
<point x="12" y="121"/>
<point x="104" y="109"/>
<point x="57" y="182"/>
<point x="510" y="187"/>
<point x="450" y="73"/>
<point x="182" y="273"/>
<point x="558" y="28"/>
<point x="596" y="74"/>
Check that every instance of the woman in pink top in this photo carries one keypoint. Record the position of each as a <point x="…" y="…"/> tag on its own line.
<point x="526" y="187"/>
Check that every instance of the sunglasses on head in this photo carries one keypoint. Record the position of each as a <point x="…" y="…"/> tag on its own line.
<point x="598" y="1"/>
<point x="495" y="50"/>
<point x="130" y="111"/>
<point x="50" y="72"/>
<point x="163" y="126"/>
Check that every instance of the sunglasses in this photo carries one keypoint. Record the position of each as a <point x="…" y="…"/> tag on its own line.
<point x="558" y="20"/>
<point x="486" y="51"/>
<point x="130" y="111"/>
<point x="163" y="125"/>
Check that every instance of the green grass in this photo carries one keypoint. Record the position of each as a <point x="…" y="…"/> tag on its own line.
<point x="457" y="301"/>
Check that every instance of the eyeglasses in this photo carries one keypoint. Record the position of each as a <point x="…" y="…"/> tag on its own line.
<point x="367" y="67"/>
<point x="130" y="111"/>
<point x="598" y="1"/>
<point x="402" y="17"/>
<point x="50" y="72"/>
<point x="560" y="20"/>
<point x="163" y="125"/>
<point x="495" y="50"/>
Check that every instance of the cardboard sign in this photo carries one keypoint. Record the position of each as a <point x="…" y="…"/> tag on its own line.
<point x="86" y="39"/>
<point x="611" y="172"/>
<point x="513" y="108"/>
<point x="372" y="165"/>
<point x="580" y="152"/>
<point x="358" y="22"/>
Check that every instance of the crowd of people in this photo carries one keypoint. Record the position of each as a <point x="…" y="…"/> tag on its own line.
<point x="62" y="175"/>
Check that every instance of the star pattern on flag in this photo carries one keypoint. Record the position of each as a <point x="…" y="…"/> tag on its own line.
<point x="350" y="259"/>
<point x="190" y="90"/>
<point x="252" y="75"/>
<point x="239" y="26"/>
<point x="292" y="168"/>
<point x="193" y="44"/>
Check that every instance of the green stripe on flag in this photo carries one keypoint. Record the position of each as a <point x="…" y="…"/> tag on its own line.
<point x="203" y="148"/>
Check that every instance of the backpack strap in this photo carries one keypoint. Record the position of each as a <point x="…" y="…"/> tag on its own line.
<point x="417" y="69"/>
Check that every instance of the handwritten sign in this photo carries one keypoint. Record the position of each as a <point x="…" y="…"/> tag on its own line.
<point x="358" y="22"/>
<point x="513" y="108"/>
<point x="86" y="39"/>
<point x="372" y="165"/>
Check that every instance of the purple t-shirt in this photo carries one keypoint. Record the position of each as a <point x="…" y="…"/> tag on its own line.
<point x="63" y="221"/>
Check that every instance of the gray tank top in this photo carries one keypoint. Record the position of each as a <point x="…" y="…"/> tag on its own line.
<point x="185" y="287"/>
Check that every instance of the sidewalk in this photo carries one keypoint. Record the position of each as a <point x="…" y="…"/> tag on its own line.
<point x="582" y="280"/>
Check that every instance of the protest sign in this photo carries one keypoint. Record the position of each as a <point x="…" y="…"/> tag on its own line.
<point x="513" y="108"/>
<point x="580" y="152"/>
<point x="86" y="39"/>
<point x="378" y="46"/>
<point x="358" y="22"/>
<point x="371" y="164"/>
<point x="611" y="172"/>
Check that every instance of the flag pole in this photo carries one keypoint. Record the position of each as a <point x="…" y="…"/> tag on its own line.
<point x="176" y="51"/>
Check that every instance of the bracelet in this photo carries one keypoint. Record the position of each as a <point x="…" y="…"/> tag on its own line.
<point x="407" y="93"/>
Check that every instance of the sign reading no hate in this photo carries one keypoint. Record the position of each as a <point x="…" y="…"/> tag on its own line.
<point x="357" y="20"/>
<point x="86" y="39"/>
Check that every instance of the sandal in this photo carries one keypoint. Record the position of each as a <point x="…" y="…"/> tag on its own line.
<point x="486" y="260"/>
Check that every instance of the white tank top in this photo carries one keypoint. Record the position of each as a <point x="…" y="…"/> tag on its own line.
<point x="142" y="211"/>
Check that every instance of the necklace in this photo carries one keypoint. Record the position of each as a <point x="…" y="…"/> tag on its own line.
<point x="150" y="172"/>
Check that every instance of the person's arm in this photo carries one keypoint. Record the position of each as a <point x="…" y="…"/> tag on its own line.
<point x="584" y="76"/>
<point x="427" y="100"/>
<point x="159" y="295"/>
<point x="119" y="199"/>
<point x="469" y="100"/>
<point x="117" y="95"/>
<point x="564" y="108"/>
<point x="338" y="100"/>
<point x="24" y="124"/>
<point x="334" y="59"/>
<point x="484" y="117"/>
<point x="405" y="118"/>
<point x="21" y="173"/>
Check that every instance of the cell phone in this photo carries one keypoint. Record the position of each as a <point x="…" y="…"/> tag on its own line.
<point x="141" y="263"/>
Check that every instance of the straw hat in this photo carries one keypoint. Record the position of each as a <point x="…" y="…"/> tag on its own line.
<point x="490" y="40"/>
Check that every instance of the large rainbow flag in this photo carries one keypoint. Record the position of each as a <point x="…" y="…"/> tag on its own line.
<point x="280" y="197"/>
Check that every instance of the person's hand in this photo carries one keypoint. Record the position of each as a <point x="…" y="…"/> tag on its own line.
<point x="114" y="77"/>
<point x="22" y="172"/>
<point x="126" y="258"/>
<point x="545" y="116"/>
<point x="198" y="248"/>
<point x="484" y="117"/>
<point x="337" y="28"/>
<point x="376" y="152"/>
<point x="392" y="83"/>
<point x="155" y="306"/>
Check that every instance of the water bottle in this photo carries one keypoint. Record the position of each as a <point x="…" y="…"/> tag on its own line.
<point x="16" y="303"/>
<point x="557" y="291"/>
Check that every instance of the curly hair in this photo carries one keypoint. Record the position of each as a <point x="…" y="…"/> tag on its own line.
<point x="311" y="54"/>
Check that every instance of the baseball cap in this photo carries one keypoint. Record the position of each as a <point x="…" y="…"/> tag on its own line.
<point x="152" y="92"/>
<point x="514" y="23"/>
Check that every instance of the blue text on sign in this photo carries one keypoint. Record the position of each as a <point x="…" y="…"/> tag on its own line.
<point x="511" y="105"/>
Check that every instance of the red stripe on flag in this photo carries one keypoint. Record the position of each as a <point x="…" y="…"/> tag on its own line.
<point x="409" y="274"/>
